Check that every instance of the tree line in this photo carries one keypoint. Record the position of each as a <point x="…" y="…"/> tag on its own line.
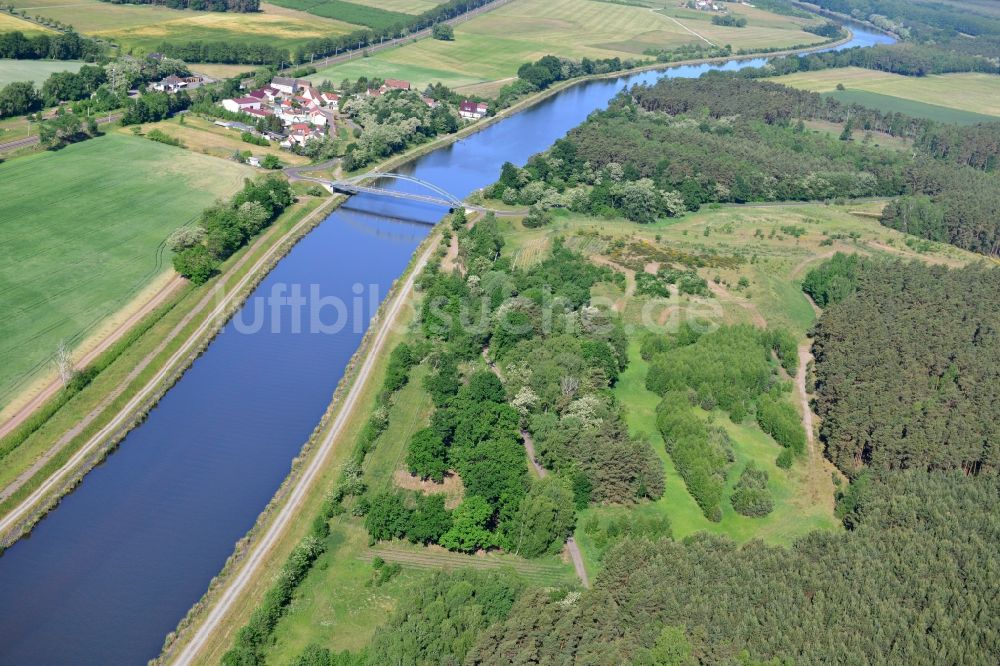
<point x="61" y="46"/>
<point x="964" y="29"/>
<point x="737" y="140"/>
<point x="242" y="6"/>
<point x="910" y="582"/>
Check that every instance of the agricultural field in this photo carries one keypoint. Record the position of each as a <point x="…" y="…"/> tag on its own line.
<point x="490" y="47"/>
<point x="10" y="23"/>
<point x="145" y="27"/>
<point x="370" y="14"/>
<point x="763" y="29"/>
<point x="781" y="242"/>
<point x="83" y="231"/>
<point x="33" y="70"/>
<point x="971" y="92"/>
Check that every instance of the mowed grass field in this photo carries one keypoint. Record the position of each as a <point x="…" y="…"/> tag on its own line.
<point x="82" y="230"/>
<point x="972" y="92"/>
<point x="145" y="27"/>
<point x="490" y="47"/>
<point x="33" y="70"/>
<point x="763" y="29"/>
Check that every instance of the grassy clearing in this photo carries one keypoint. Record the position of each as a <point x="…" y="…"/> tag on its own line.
<point x="10" y="23"/>
<point x="145" y="27"/>
<point x="972" y="92"/>
<point x="795" y="513"/>
<point x="83" y="231"/>
<point x="33" y="70"/>
<point x="491" y="47"/>
<point x="220" y="71"/>
<point x="349" y="12"/>
<point x="203" y="136"/>
<point x="413" y="7"/>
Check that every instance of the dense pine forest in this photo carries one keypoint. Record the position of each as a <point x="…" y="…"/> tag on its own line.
<point x="908" y="365"/>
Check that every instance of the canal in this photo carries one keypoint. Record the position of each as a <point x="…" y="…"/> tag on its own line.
<point x="108" y="573"/>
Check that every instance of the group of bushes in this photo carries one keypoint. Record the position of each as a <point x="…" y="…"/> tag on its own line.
<point x="701" y="453"/>
<point x="228" y="226"/>
<point x="751" y="496"/>
<point x="729" y="368"/>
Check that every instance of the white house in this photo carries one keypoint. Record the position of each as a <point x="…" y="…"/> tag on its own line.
<point x="283" y="85"/>
<point x="241" y="104"/>
<point x="331" y="100"/>
<point x="317" y="118"/>
<point x="472" y="110"/>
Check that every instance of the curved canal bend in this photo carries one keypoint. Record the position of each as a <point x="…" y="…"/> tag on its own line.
<point x="115" y="566"/>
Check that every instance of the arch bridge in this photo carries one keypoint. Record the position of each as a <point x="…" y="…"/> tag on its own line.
<point x="438" y="196"/>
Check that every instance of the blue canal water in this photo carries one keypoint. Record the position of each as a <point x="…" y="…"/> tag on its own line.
<point x="112" y="570"/>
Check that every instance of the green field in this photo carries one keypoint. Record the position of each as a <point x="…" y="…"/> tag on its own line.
<point x="82" y="230"/>
<point x="909" y="107"/>
<point x="145" y="27"/>
<point x="972" y="92"/>
<point x="349" y="12"/>
<point x="34" y="70"/>
<point x="490" y="47"/>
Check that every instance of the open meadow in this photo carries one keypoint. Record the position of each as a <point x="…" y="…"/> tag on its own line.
<point x="972" y="92"/>
<point x="202" y="135"/>
<point x="33" y="70"/>
<point x="145" y="27"/>
<point x="82" y="230"/>
<point x="491" y="46"/>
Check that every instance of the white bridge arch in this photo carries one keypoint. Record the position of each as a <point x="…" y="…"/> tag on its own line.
<point x="437" y="195"/>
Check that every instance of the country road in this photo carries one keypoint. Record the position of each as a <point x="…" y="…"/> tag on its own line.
<point x="122" y="418"/>
<point x="255" y="558"/>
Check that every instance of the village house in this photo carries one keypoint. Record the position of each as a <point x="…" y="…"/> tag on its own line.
<point x="331" y="100"/>
<point x="289" y="86"/>
<point x="395" y="84"/>
<point x="170" y="84"/>
<point x="428" y="101"/>
<point x="472" y="110"/>
<point x="241" y="104"/>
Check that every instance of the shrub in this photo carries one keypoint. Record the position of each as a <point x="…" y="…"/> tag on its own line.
<point x="751" y="496"/>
